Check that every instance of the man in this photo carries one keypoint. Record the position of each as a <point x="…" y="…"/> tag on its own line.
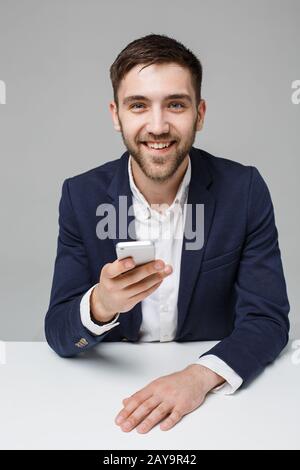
<point x="230" y="287"/>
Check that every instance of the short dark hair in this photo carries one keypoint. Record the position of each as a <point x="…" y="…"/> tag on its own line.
<point x="155" y="49"/>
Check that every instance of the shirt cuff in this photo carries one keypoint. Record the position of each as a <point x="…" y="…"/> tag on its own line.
<point x="86" y="320"/>
<point x="214" y="363"/>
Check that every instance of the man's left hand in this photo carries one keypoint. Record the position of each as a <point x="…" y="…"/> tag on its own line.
<point x="167" y="399"/>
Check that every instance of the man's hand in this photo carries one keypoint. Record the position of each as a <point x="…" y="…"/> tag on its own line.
<point x="167" y="398"/>
<point x="122" y="285"/>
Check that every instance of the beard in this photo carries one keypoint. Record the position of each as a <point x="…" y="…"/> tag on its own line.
<point x="160" y="168"/>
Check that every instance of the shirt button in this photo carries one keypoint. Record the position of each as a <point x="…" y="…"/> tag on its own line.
<point x="164" y="308"/>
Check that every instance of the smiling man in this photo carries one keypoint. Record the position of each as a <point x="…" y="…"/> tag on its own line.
<point x="231" y="289"/>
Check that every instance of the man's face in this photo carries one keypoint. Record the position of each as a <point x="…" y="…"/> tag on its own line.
<point x="148" y="114"/>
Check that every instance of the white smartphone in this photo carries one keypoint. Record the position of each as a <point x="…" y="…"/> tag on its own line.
<point x="141" y="251"/>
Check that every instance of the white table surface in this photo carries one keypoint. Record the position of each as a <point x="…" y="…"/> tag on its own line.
<point x="47" y="402"/>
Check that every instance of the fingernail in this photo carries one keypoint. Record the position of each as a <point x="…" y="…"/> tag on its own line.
<point x="158" y="266"/>
<point x="119" y="419"/>
<point x="142" y="428"/>
<point x="168" y="269"/>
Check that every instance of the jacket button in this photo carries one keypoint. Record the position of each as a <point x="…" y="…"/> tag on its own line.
<point x="81" y="343"/>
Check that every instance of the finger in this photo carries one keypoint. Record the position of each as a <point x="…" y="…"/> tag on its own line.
<point x="171" y="420"/>
<point x="137" y="298"/>
<point x="147" y="283"/>
<point x="118" y="267"/>
<point x="140" y="413"/>
<point x="154" y="417"/>
<point x="142" y="295"/>
<point x="140" y="273"/>
<point x="133" y="402"/>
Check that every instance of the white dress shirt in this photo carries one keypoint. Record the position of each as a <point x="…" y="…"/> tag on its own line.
<point x="165" y="227"/>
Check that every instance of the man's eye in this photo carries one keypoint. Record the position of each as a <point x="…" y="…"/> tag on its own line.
<point x="178" y="104"/>
<point x="137" y="104"/>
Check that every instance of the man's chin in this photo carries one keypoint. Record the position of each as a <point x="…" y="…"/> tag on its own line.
<point x="159" y="172"/>
<point x="155" y="167"/>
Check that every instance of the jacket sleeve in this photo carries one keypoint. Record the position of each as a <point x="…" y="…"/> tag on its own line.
<point x="64" y="330"/>
<point x="261" y="326"/>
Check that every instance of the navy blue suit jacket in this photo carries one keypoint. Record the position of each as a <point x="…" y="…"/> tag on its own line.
<point x="232" y="289"/>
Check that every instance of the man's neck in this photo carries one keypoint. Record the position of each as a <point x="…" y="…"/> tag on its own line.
<point x="158" y="192"/>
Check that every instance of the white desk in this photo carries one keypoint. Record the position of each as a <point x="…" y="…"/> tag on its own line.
<point x="47" y="402"/>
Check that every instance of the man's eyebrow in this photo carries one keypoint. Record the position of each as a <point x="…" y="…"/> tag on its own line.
<point x="176" y="96"/>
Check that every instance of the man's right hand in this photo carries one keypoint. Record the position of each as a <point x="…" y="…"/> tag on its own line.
<point x="122" y="286"/>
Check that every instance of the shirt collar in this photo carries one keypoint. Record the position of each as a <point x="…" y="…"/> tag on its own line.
<point x="180" y="198"/>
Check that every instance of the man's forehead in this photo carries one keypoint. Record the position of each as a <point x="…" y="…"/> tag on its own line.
<point x="156" y="81"/>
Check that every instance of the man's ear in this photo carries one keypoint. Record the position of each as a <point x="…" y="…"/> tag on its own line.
<point x="201" y="114"/>
<point x="114" y="114"/>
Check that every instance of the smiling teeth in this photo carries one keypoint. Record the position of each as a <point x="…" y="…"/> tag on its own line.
<point x="158" y="146"/>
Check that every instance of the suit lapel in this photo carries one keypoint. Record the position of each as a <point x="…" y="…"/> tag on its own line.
<point x="120" y="194"/>
<point x="191" y="260"/>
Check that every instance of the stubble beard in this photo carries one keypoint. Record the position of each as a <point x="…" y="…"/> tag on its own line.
<point x="160" y="168"/>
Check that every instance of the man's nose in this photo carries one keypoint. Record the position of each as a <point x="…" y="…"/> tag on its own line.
<point x="157" y="124"/>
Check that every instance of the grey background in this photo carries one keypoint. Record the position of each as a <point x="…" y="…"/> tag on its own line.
<point x="55" y="58"/>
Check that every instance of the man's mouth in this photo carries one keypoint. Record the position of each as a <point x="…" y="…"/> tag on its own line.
<point x="159" y="147"/>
